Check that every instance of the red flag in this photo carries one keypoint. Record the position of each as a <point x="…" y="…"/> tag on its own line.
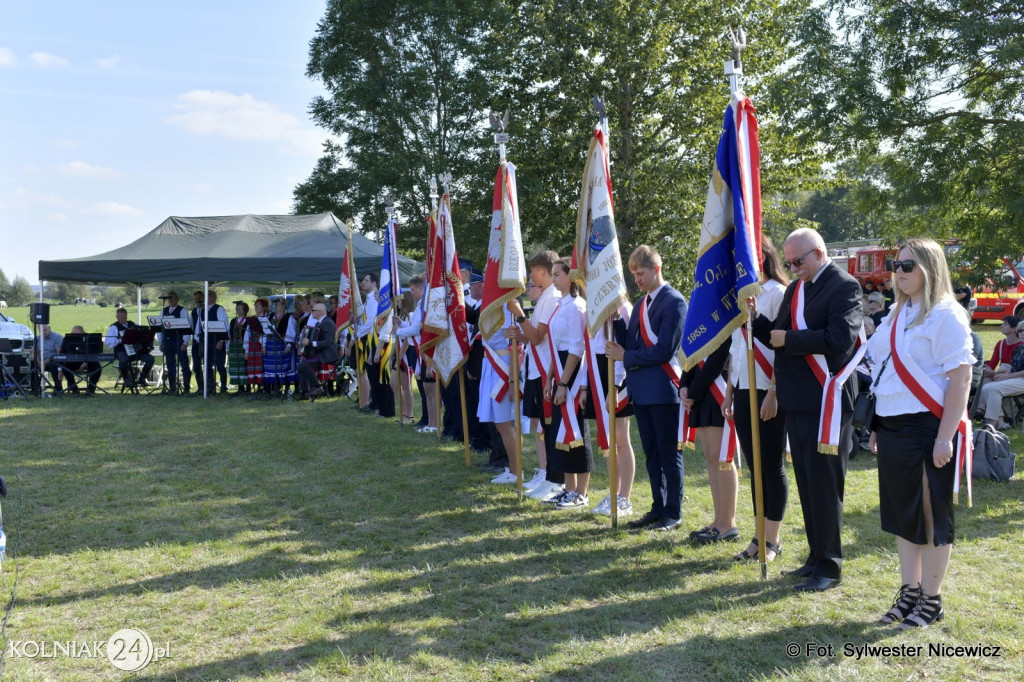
<point x="505" y="274"/>
<point x="444" y="315"/>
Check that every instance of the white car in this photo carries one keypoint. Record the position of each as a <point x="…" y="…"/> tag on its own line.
<point x="21" y="337"/>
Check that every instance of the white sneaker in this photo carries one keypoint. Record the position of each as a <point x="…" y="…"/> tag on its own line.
<point x="603" y="506"/>
<point x="573" y="500"/>
<point x="542" y="490"/>
<point x="538" y="478"/>
<point x="556" y="495"/>
<point x="625" y="507"/>
<point x="507" y="477"/>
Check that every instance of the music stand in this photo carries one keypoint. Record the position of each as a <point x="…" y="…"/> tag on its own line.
<point x="137" y="336"/>
<point x="9" y="362"/>
<point x="178" y="328"/>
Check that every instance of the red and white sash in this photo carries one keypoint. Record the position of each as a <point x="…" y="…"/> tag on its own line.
<point x="688" y="434"/>
<point x="569" y="432"/>
<point x="500" y="367"/>
<point x="672" y="368"/>
<point x="763" y="356"/>
<point x="600" y="397"/>
<point x="925" y="390"/>
<point x="542" y="370"/>
<point x="832" y="385"/>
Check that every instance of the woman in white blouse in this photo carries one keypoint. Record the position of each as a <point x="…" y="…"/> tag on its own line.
<point x="772" y="423"/>
<point x="566" y="330"/>
<point x="923" y="349"/>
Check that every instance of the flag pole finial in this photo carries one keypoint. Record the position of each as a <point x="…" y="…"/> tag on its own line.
<point x="446" y="182"/>
<point x="389" y="205"/>
<point x="600" y="108"/>
<point x="433" y="193"/>
<point x="499" y="126"/>
<point x="734" y="66"/>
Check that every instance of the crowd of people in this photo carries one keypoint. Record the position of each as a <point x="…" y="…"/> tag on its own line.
<point x="812" y="336"/>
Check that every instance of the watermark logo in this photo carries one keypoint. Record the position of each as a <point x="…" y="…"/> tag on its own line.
<point x="129" y="649"/>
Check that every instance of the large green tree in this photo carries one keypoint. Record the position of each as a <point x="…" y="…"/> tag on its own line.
<point x="406" y="101"/>
<point x="19" y="292"/>
<point x="933" y="92"/>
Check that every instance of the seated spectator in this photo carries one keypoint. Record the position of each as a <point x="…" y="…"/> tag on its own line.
<point x="963" y="295"/>
<point x="1003" y="385"/>
<point x="876" y="307"/>
<point x="51" y="342"/>
<point x="1002" y="354"/>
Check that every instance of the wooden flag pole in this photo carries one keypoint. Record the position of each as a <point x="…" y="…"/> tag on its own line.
<point x="465" y="417"/>
<point x="517" y="456"/>
<point x="613" y="455"/>
<point x="437" y="400"/>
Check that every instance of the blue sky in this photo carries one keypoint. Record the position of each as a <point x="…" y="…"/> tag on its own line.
<point x="117" y="114"/>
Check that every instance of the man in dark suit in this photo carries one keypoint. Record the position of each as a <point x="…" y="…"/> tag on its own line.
<point x="832" y="321"/>
<point x="648" y="353"/>
<point x="317" y="348"/>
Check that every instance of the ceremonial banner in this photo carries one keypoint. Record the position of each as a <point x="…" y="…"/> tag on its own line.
<point x="433" y="291"/>
<point x="728" y="258"/>
<point x="444" y="318"/>
<point x="349" y="304"/>
<point x="596" y="258"/>
<point x="505" y="275"/>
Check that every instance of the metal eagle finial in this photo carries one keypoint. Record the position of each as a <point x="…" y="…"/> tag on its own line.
<point x="499" y="125"/>
<point x="739" y="43"/>
<point x="600" y="108"/>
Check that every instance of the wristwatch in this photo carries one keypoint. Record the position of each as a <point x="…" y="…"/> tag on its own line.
<point x="521" y="319"/>
<point x="563" y="385"/>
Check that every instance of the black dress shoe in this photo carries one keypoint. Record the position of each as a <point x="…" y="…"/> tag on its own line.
<point x="648" y="519"/>
<point x="802" y="572"/>
<point x="817" y="583"/>
<point x="666" y="524"/>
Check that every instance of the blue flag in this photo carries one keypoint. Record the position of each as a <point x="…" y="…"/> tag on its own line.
<point x="728" y="258"/>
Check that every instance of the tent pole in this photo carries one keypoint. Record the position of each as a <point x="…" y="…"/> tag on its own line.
<point x="206" y="337"/>
<point x="138" y="302"/>
<point x="42" y="285"/>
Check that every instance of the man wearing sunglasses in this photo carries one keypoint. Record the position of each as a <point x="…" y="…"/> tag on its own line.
<point x="815" y="336"/>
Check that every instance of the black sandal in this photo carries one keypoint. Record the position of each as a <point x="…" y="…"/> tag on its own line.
<point x="903" y="605"/>
<point x="928" y="610"/>
<point x="769" y="546"/>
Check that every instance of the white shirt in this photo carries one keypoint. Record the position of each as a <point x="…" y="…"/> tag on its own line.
<point x="411" y="328"/>
<point x="221" y="315"/>
<point x="542" y="311"/>
<point x="497" y="341"/>
<point x="768" y="303"/>
<point x="569" y="325"/>
<point x="177" y="312"/>
<point x="938" y="345"/>
<point x="369" y="315"/>
<point x="598" y="343"/>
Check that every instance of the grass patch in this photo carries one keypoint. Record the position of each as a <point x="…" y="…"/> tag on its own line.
<point x="292" y="541"/>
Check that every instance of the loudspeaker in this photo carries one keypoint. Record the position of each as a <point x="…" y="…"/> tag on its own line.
<point x="39" y="313"/>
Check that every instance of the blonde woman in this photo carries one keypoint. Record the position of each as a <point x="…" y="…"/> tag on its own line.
<point x="923" y="355"/>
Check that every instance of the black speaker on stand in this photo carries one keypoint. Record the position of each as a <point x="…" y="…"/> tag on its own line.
<point x="39" y="314"/>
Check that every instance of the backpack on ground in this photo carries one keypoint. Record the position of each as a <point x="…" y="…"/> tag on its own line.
<point x="993" y="459"/>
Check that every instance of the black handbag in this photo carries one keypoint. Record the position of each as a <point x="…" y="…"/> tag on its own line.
<point x="864" y="405"/>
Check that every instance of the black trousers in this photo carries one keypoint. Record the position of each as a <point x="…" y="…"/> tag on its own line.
<point x="383" y="396"/>
<point x="124" y="363"/>
<point x="774" y="481"/>
<point x="820" y="481"/>
<point x="173" y="356"/>
<point x="308" y="380"/>
<point x="197" y="364"/>
<point x="659" y="435"/>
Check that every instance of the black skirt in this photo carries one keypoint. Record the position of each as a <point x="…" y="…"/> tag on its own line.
<point x="578" y="459"/>
<point x="706" y="412"/>
<point x="905" y="445"/>
<point x="602" y="368"/>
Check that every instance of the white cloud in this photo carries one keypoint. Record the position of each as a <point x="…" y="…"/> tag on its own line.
<point x="86" y="170"/>
<point x="46" y="60"/>
<point x="57" y="217"/>
<point x="112" y="209"/>
<point x="243" y="117"/>
<point x="7" y="57"/>
<point x="108" y="62"/>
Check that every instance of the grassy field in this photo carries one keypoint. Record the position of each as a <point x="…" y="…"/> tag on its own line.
<point x="278" y="541"/>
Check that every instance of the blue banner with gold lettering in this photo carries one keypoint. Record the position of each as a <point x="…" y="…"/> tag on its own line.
<point x="728" y="258"/>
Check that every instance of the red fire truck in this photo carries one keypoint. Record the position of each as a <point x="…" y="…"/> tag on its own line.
<point x="1003" y="296"/>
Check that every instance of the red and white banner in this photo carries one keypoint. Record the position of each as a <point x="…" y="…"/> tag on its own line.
<point x="505" y="274"/>
<point x="445" y="336"/>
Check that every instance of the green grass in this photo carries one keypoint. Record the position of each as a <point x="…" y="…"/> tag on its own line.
<point x="310" y="542"/>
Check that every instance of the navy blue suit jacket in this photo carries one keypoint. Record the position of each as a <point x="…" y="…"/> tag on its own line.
<point x="647" y="381"/>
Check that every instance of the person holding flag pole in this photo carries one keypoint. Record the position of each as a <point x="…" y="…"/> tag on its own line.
<point x="504" y="280"/>
<point x="390" y="293"/>
<point x="597" y="262"/>
<point x="350" y="308"/>
<point x="445" y="338"/>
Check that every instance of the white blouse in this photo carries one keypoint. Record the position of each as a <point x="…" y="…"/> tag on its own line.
<point x="768" y="303"/>
<point x="569" y="325"/>
<point x="598" y="343"/>
<point x="497" y="341"/>
<point x="941" y="343"/>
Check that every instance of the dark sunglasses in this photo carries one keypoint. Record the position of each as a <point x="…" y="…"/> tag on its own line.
<point x="897" y="265"/>
<point x="797" y="262"/>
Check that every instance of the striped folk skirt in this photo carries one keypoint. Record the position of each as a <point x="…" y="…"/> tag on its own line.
<point x="278" y="365"/>
<point x="254" y="362"/>
<point x="236" y="363"/>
